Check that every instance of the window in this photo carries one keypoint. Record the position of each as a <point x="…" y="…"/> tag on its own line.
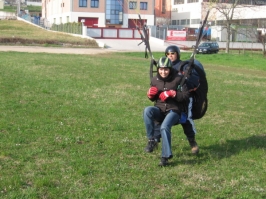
<point x="82" y="3"/>
<point x="192" y="1"/>
<point x="195" y="21"/>
<point x="114" y="12"/>
<point x="178" y="2"/>
<point x="163" y="7"/>
<point x="188" y="21"/>
<point x="183" y="21"/>
<point x="173" y="22"/>
<point x="94" y="3"/>
<point x="132" y="5"/>
<point x="143" y="6"/>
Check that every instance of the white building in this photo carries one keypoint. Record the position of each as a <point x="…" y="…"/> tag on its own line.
<point x="190" y="13"/>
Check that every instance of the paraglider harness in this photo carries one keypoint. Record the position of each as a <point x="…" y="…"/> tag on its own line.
<point x="200" y="101"/>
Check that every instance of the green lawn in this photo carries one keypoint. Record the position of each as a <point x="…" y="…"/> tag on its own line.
<point x="30" y="8"/>
<point x="71" y="127"/>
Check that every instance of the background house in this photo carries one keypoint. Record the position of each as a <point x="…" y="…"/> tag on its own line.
<point x="98" y="13"/>
<point x="249" y="15"/>
<point x="160" y="15"/>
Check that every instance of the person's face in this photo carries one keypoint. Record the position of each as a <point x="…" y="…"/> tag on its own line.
<point x="164" y="72"/>
<point x="172" y="56"/>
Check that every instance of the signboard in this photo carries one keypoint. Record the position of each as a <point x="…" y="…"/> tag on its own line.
<point x="177" y="35"/>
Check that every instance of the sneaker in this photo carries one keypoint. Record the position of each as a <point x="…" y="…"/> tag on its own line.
<point x="194" y="146"/>
<point x="163" y="162"/>
<point x="152" y="144"/>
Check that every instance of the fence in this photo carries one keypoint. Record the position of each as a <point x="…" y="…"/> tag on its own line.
<point x="33" y="19"/>
<point x="113" y="33"/>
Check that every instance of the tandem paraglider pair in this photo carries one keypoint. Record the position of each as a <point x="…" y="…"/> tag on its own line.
<point x="179" y="92"/>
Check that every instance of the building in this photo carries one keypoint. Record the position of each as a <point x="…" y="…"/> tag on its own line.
<point x="191" y="12"/>
<point x="34" y="2"/>
<point x="159" y="15"/>
<point x="249" y="14"/>
<point x="162" y="12"/>
<point x="98" y="13"/>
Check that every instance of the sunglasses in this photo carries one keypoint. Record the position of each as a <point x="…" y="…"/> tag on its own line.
<point x="171" y="53"/>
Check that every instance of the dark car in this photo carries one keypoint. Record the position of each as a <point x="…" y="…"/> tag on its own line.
<point x="208" y="47"/>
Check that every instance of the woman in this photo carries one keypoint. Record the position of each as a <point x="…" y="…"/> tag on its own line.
<point x="168" y="105"/>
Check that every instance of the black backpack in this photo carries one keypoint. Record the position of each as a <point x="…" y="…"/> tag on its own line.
<point x="196" y="82"/>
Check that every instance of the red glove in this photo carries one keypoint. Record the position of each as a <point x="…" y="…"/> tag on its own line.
<point x="164" y="95"/>
<point x="152" y="92"/>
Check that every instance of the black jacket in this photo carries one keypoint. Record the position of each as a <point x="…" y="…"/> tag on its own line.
<point x="171" y="83"/>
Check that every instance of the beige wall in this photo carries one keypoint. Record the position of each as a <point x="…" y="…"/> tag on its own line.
<point x="101" y="8"/>
<point x="56" y="11"/>
<point x="65" y="5"/>
<point x="76" y="7"/>
<point x="149" y="11"/>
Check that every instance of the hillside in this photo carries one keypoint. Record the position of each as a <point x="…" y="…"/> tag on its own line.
<point x="15" y="32"/>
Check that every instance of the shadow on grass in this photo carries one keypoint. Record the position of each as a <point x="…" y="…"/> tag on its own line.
<point x="233" y="147"/>
<point x="225" y="149"/>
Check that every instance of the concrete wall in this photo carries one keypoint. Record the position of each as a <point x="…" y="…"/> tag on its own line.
<point x="222" y="45"/>
<point x="218" y="33"/>
<point x="2" y="4"/>
<point x="33" y="3"/>
<point x="7" y="15"/>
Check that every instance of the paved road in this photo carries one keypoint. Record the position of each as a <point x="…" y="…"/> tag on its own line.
<point x="111" y="45"/>
<point x="122" y="45"/>
<point x="156" y="45"/>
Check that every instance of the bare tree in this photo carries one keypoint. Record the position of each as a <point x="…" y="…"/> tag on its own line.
<point x="262" y="40"/>
<point x="227" y="10"/>
<point x="228" y="14"/>
<point x="163" y="21"/>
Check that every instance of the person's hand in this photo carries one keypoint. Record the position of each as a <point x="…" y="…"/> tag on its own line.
<point x="152" y="92"/>
<point x="164" y="95"/>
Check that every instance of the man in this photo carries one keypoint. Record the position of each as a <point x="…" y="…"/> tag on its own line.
<point x="173" y="53"/>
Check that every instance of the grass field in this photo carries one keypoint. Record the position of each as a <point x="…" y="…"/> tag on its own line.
<point x="30" y="8"/>
<point x="71" y="127"/>
<point x="15" y="32"/>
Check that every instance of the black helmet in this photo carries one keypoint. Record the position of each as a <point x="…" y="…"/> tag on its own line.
<point x="173" y="49"/>
<point x="164" y="62"/>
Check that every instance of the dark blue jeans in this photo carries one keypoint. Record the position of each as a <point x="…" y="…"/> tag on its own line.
<point x="151" y="114"/>
<point x="189" y="126"/>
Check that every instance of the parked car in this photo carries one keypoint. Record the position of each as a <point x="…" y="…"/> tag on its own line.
<point x="208" y="47"/>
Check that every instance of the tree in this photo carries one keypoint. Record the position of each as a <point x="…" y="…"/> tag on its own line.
<point x="229" y="12"/>
<point x="262" y="40"/>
